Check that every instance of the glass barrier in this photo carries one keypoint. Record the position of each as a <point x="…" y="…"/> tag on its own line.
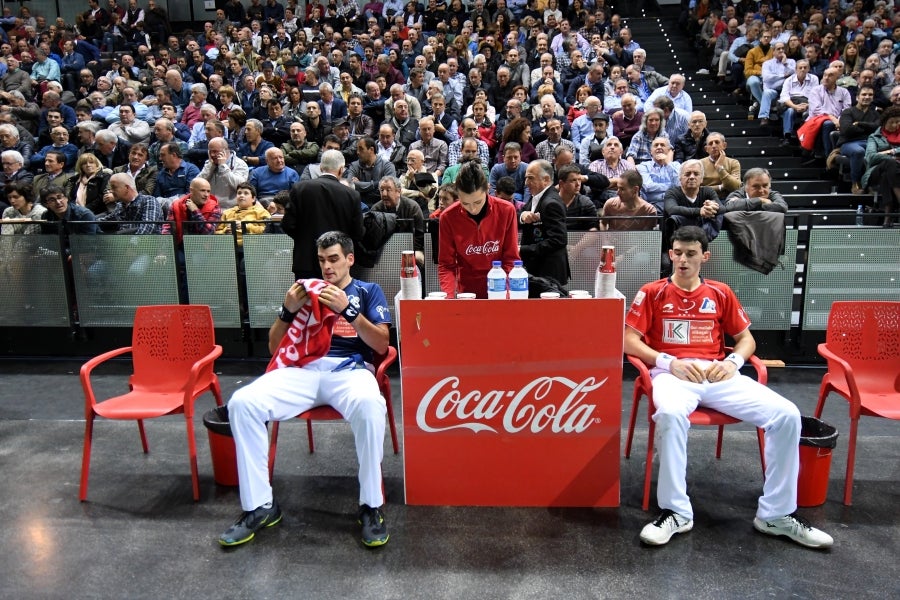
<point x="33" y="293"/>
<point x="849" y="263"/>
<point x="268" y="264"/>
<point x="114" y="274"/>
<point x="767" y="299"/>
<point x="212" y="276"/>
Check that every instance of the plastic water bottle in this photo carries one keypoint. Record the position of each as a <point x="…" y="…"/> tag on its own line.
<point x="496" y="281"/>
<point x="859" y="215"/>
<point x="518" y="282"/>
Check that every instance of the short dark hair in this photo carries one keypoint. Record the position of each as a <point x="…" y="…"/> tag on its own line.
<point x="59" y="156"/>
<point x="507" y="185"/>
<point x="246" y="186"/>
<point x="22" y="188"/>
<point x="566" y="170"/>
<point x="173" y="148"/>
<point x="330" y="238"/>
<point x="691" y="233"/>
<point x="51" y="190"/>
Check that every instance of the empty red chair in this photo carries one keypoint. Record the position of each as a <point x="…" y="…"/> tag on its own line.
<point x="173" y="349"/>
<point x="862" y="348"/>
<point x="702" y="416"/>
<point x="327" y="413"/>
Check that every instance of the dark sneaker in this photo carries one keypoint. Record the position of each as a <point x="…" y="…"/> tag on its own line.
<point x="795" y="528"/>
<point x="250" y="522"/>
<point x="661" y="530"/>
<point x="374" y="529"/>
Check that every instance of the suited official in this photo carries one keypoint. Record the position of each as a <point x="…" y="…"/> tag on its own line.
<point x="319" y="205"/>
<point x="543" y="226"/>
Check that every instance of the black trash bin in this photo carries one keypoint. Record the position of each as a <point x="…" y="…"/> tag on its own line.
<point x="817" y="440"/>
<point x="221" y="446"/>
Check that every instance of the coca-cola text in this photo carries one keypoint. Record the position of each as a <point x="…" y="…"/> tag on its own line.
<point x="489" y="247"/>
<point x="445" y="407"/>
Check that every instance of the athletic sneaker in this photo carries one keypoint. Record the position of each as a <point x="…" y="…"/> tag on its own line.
<point x="374" y="529"/>
<point x="661" y="530"/>
<point x="249" y="523"/>
<point x="797" y="528"/>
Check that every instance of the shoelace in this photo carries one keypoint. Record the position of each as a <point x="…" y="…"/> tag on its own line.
<point x="798" y="520"/>
<point x="373" y="516"/>
<point x="665" y="516"/>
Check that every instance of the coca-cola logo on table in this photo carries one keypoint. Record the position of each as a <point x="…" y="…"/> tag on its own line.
<point x="557" y="403"/>
<point x="489" y="247"/>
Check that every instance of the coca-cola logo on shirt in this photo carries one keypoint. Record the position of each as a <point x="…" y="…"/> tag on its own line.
<point x="557" y="404"/>
<point x="489" y="247"/>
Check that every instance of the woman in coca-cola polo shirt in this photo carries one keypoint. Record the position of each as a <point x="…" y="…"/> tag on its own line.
<point x="475" y="231"/>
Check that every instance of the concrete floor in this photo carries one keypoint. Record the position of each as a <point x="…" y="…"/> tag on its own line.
<point x="141" y="536"/>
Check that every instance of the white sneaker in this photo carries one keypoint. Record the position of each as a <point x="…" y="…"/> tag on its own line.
<point x="667" y="524"/>
<point x="796" y="528"/>
<point x="703" y="72"/>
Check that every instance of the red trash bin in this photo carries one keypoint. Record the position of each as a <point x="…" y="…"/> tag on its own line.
<point x="817" y="439"/>
<point x="221" y="446"/>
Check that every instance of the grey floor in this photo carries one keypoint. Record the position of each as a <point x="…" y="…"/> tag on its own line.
<point x="141" y="536"/>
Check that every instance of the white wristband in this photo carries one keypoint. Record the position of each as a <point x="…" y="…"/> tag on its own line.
<point x="737" y="359"/>
<point x="664" y="361"/>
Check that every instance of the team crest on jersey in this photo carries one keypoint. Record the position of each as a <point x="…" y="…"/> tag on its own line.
<point x="638" y="298"/>
<point x="668" y="307"/>
<point x="707" y="306"/>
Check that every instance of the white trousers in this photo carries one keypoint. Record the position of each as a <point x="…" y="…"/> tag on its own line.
<point x="282" y="394"/>
<point x="740" y="397"/>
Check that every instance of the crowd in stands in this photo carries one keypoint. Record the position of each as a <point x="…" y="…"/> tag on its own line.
<point x="411" y="90"/>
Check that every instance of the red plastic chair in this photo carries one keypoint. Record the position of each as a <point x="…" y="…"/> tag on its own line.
<point x="327" y="413"/>
<point x="173" y="349"/>
<point x="862" y="348"/>
<point x="702" y="416"/>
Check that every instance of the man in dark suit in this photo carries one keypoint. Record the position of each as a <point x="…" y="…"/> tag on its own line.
<point x="320" y="205"/>
<point x="332" y="107"/>
<point x="543" y="226"/>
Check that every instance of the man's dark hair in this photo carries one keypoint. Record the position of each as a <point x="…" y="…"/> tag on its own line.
<point x="367" y="141"/>
<point x="691" y="233"/>
<point x="331" y="138"/>
<point x="51" y="190"/>
<point x="246" y="186"/>
<point x="330" y="238"/>
<point x="22" y="188"/>
<point x="507" y="185"/>
<point x="59" y="156"/>
<point x="471" y="178"/>
<point x="273" y="102"/>
<point x="566" y="170"/>
<point x="174" y="149"/>
<point x="632" y="177"/>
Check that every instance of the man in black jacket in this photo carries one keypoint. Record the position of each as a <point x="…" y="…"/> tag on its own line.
<point x="320" y="205"/>
<point x="856" y="124"/>
<point x="543" y="225"/>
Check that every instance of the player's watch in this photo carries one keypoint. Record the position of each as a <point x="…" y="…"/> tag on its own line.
<point x="285" y="315"/>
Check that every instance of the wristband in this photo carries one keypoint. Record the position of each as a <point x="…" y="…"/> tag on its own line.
<point x="664" y="361"/>
<point x="737" y="359"/>
<point x="285" y="315"/>
<point x="350" y="313"/>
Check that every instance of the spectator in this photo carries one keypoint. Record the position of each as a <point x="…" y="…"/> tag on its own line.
<point x="829" y="100"/>
<point x="611" y="165"/>
<point x="857" y="123"/>
<point x="794" y="97"/>
<point x="652" y="127"/>
<point x="130" y="129"/>
<point x="136" y="213"/>
<point x="197" y="212"/>
<point x="175" y="176"/>
<point x="224" y="171"/>
<point x="691" y="203"/>
<point x="693" y="143"/>
<point x="253" y="150"/>
<point x="274" y="176"/>
<point x="54" y="173"/>
<point x="299" y="152"/>
<point x="434" y="150"/>
<point x="19" y="217"/>
<point x="247" y="209"/>
<point x="110" y="150"/>
<point x="60" y="137"/>
<point x="628" y="203"/>
<point x="317" y="206"/>
<point x="756" y="194"/>
<point x="658" y="174"/>
<point x="409" y="214"/>
<point x="61" y="213"/>
<point x="720" y="172"/>
<point x="581" y="214"/>
<point x="141" y="171"/>
<point x="89" y="184"/>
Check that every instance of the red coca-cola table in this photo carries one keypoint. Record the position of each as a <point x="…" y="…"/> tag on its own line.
<point x="512" y="403"/>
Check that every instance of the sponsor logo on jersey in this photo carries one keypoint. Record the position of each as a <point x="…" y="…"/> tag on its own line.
<point x="668" y="307"/>
<point x="708" y="306"/>
<point x="678" y="331"/>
